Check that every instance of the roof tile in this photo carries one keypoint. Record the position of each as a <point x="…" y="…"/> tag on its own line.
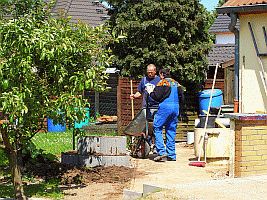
<point x="221" y="53"/>
<point x="243" y="2"/>
<point x="84" y="10"/>
<point x="221" y="24"/>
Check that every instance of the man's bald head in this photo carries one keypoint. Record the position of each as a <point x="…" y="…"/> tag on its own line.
<point x="151" y="71"/>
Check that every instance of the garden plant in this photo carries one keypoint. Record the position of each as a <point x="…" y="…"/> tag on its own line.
<point x="45" y="65"/>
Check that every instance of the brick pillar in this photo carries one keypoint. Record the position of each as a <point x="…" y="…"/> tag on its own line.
<point x="250" y="147"/>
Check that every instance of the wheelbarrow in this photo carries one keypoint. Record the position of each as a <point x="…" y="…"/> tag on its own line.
<point x="141" y="131"/>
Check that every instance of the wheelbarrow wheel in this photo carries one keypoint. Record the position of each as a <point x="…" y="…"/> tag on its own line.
<point x="141" y="148"/>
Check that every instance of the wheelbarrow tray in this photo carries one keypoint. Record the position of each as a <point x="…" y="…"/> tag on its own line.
<point x="137" y="126"/>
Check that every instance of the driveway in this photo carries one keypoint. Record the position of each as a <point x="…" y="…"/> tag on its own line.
<point x="181" y="181"/>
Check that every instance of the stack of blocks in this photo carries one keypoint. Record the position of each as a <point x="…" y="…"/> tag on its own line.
<point x="100" y="151"/>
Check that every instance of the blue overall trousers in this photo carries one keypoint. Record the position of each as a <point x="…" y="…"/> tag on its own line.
<point x="167" y="116"/>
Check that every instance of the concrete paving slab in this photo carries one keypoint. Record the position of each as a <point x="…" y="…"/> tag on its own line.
<point x="147" y="188"/>
<point x="131" y="195"/>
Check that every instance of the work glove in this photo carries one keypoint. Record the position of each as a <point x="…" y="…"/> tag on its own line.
<point x="149" y="87"/>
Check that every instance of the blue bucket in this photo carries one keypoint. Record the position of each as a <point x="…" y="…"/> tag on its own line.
<point x="204" y="98"/>
<point x="51" y="127"/>
<point x="85" y="121"/>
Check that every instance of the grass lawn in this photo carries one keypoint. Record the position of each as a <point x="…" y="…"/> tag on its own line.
<point x="53" y="142"/>
<point x="48" y="189"/>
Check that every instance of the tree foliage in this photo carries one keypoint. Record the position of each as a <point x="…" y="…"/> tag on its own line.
<point x="45" y="65"/>
<point x="165" y="32"/>
<point x="221" y="2"/>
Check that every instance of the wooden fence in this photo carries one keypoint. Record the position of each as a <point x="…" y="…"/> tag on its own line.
<point x="124" y="109"/>
<point x="219" y="84"/>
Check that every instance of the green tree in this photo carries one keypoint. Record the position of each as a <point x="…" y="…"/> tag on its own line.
<point x="165" y="32"/>
<point x="45" y="65"/>
<point x="220" y="3"/>
<point x="214" y="12"/>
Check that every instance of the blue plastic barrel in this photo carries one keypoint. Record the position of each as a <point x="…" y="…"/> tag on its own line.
<point x="85" y="121"/>
<point x="51" y="127"/>
<point x="204" y="98"/>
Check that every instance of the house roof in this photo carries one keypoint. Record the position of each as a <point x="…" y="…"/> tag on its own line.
<point x="221" y="24"/>
<point x="88" y="11"/>
<point x="244" y="2"/>
<point x="221" y="53"/>
<point x="243" y="6"/>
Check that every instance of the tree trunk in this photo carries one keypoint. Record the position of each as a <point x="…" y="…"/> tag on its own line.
<point x="14" y="166"/>
<point x="16" y="176"/>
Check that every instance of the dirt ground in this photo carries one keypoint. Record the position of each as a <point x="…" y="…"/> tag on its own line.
<point x="96" y="183"/>
<point x="108" y="183"/>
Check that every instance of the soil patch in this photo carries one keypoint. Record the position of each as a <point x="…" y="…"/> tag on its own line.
<point x="98" y="183"/>
<point x="112" y="174"/>
<point x="46" y="169"/>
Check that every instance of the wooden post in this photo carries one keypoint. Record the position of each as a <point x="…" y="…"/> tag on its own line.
<point x="96" y="103"/>
<point x="119" y="124"/>
<point x="231" y="167"/>
<point x="132" y="102"/>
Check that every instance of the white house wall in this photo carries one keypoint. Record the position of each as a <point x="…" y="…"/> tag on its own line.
<point x="225" y="38"/>
<point x="253" y="96"/>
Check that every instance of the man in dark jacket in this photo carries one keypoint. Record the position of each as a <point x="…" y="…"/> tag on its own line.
<point x="151" y="80"/>
<point x="150" y="106"/>
<point x="167" y="94"/>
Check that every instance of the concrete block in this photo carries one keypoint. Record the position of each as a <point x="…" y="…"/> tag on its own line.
<point x="71" y="159"/>
<point x="90" y="160"/>
<point x="113" y="145"/>
<point x="88" y="145"/>
<point x="103" y="145"/>
<point x="95" y="160"/>
<point x="150" y="188"/>
<point x="116" y="160"/>
<point x="131" y="195"/>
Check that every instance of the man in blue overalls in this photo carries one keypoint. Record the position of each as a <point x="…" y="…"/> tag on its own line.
<point x="166" y="93"/>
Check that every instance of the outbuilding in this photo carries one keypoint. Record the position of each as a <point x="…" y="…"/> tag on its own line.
<point x="249" y="123"/>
